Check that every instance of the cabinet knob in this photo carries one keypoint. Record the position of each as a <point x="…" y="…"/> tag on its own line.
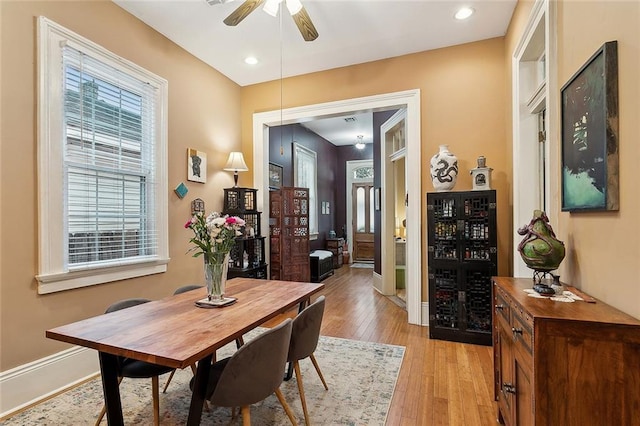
<point x="500" y="306"/>
<point x="509" y="388"/>
<point x="516" y="330"/>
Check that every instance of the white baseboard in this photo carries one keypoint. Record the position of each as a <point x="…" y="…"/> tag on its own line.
<point x="377" y="282"/>
<point x="425" y="314"/>
<point x="27" y="384"/>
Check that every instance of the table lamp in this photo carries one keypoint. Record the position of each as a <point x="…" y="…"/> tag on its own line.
<point x="236" y="164"/>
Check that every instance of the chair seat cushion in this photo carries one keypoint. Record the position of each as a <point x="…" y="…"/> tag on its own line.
<point x="141" y="370"/>
<point x="321" y="254"/>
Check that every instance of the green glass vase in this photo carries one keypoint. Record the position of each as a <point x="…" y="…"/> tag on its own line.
<point x="540" y="249"/>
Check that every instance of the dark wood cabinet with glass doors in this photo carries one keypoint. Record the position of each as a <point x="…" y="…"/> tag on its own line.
<point x="462" y="256"/>
<point x="247" y="256"/>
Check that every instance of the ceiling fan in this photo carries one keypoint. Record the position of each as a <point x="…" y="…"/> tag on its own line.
<point x="296" y="9"/>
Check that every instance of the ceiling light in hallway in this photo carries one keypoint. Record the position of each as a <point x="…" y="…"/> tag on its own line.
<point x="464" y="13"/>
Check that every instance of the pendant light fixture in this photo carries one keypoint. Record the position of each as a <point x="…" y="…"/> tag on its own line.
<point x="360" y="143"/>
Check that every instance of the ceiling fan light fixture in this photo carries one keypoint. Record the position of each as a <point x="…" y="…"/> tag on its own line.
<point x="464" y="13"/>
<point x="271" y="7"/>
<point x="294" y="6"/>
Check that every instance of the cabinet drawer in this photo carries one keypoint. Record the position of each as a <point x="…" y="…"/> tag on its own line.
<point x="502" y="306"/>
<point x="522" y="333"/>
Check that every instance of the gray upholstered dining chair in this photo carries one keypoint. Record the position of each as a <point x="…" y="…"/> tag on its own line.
<point x="180" y="290"/>
<point x="305" y="332"/>
<point x="252" y="373"/>
<point x="133" y="368"/>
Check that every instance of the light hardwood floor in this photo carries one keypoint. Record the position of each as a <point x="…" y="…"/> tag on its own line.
<point x="440" y="382"/>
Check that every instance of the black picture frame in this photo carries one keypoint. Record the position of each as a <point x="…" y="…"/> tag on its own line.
<point x="275" y="176"/>
<point x="589" y="120"/>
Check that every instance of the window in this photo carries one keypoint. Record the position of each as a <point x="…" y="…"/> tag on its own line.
<point x="101" y="164"/>
<point x="364" y="208"/>
<point x="363" y="173"/>
<point x="305" y="176"/>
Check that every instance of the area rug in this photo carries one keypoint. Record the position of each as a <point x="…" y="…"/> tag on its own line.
<point x="361" y="377"/>
<point x="362" y="265"/>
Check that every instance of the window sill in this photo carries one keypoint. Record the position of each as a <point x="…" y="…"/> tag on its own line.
<point x="54" y="282"/>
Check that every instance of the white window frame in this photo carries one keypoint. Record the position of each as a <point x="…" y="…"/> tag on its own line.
<point x="305" y="175"/>
<point x="53" y="272"/>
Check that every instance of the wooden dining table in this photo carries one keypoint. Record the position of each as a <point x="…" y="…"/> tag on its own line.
<point x="176" y="333"/>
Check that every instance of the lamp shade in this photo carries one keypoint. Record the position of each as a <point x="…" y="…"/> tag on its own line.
<point x="236" y="163"/>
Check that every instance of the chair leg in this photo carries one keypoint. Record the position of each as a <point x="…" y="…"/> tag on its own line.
<point x="102" y="413"/>
<point x="155" y="389"/>
<point x="246" y="415"/>
<point x="286" y="407"/>
<point x="168" y="381"/>
<point x="315" y="364"/>
<point x="193" y="370"/>
<point x="296" y="367"/>
<point x="104" y="407"/>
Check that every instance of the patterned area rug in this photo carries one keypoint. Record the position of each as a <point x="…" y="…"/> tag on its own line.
<point x="361" y="377"/>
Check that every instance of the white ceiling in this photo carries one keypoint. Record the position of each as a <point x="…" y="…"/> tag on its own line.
<point x="350" y="32"/>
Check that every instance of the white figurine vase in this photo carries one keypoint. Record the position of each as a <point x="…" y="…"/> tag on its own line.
<point x="444" y="169"/>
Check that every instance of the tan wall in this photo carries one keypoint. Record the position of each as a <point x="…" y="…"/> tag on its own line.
<point x="463" y="104"/>
<point x="603" y="255"/>
<point x="204" y="113"/>
<point x="602" y="251"/>
<point x="465" y="93"/>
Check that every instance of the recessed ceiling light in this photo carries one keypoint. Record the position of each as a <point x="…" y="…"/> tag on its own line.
<point x="251" y="60"/>
<point x="464" y="13"/>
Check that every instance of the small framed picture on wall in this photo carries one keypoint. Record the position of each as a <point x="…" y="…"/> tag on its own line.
<point x="196" y="166"/>
<point x="275" y="176"/>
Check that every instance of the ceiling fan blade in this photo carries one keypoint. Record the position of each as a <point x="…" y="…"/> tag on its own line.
<point x="306" y="27"/>
<point x="242" y="12"/>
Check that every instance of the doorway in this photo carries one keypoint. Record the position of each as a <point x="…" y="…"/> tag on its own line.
<point x="362" y="194"/>
<point x="395" y="183"/>
<point x="410" y="100"/>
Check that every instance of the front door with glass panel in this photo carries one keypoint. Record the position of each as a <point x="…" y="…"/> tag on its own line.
<point x="363" y="228"/>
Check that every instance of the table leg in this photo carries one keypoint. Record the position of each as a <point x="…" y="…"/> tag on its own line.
<point x="289" y="373"/>
<point x="199" y="390"/>
<point x="110" y="388"/>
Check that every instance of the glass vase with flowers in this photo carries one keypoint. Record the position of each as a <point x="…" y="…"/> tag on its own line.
<point x="214" y="237"/>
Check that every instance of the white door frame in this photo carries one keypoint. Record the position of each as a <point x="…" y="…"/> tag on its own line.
<point x="409" y="99"/>
<point x="388" y="183"/>
<point x="528" y="96"/>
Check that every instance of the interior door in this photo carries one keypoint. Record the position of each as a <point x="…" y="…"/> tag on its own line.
<point x="363" y="224"/>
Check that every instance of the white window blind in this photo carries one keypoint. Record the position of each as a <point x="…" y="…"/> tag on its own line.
<point x="102" y="164"/>
<point x="108" y="162"/>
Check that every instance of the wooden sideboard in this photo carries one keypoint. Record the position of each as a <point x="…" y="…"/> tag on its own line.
<point x="559" y="363"/>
